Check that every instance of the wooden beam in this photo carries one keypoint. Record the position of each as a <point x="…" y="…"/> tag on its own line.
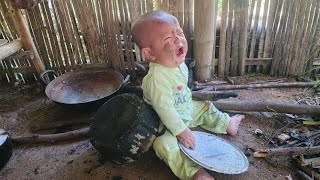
<point x="26" y="38"/>
<point x="10" y="48"/>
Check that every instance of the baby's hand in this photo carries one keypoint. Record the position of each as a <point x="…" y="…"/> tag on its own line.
<point x="187" y="138"/>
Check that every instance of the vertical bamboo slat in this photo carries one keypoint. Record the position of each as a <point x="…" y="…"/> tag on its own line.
<point x="305" y="39"/>
<point x="254" y="34"/>
<point x="229" y="35"/>
<point x="290" y="30"/>
<point x="314" y="42"/>
<point x="235" y="40"/>
<point x="222" y="43"/>
<point x="243" y="37"/>
<point x="293" y="65"/>
<point x="263" y="35"/>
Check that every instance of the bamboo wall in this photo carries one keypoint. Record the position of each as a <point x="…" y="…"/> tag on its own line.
<point x="279" y="37"/>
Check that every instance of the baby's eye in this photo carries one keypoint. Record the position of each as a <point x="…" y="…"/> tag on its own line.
<point x="168" y="38"/>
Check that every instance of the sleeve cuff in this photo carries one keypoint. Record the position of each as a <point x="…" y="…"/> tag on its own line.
<point x="177" y="131"/>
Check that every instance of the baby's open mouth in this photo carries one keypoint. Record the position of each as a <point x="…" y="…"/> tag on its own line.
<point x="180" y="51"/>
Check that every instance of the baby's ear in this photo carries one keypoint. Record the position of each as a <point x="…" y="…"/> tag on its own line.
<point x="147" y="52"/>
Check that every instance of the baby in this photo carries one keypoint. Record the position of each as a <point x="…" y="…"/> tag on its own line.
<point x="161" y="40"/>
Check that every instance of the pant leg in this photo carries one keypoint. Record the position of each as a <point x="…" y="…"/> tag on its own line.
<point x="167" y="149"/>
<point x="207" y="116"/>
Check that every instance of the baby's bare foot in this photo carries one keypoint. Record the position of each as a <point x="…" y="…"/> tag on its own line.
<point x="202" y="175"/>
<point x="235" y="120"/>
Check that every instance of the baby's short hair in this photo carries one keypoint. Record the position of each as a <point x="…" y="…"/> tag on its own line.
<point x="138" y="26"/>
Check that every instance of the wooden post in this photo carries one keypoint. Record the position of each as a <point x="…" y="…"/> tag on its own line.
<point x="26" y="38"/>
<point x="204" y="37"/>
<point x="10" y="48"/>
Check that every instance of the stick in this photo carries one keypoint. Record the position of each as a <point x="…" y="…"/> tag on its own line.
<point x="56" y="124"/>
<point x="196" y="95"/>
<point x="266" y="85"/>
<point x="287" y="151"/>
<point x="312" y="110"/>
<point x="81" y="133"/>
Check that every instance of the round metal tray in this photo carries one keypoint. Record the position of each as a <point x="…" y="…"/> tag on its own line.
<point x="216" y="154"/>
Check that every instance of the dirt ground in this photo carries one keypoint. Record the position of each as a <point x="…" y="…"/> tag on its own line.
<point x="23" y="107"/>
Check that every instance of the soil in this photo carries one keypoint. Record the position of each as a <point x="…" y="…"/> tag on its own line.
<point x="22" y="108"/>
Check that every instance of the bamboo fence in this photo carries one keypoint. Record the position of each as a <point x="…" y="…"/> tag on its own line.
<point x="277" y="37"/>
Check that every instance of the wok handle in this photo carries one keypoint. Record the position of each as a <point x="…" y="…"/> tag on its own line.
<point x="126" y="80"/>
<point x="41" y="76"/>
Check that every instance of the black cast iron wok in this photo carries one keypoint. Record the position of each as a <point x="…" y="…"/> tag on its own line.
<point x="87" y="88"/>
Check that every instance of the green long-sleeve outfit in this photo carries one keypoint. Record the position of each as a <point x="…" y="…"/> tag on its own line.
<point x="166" y="90"/>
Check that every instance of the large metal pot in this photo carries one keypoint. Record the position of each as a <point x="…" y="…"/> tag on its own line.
<point x="87" y="88"/>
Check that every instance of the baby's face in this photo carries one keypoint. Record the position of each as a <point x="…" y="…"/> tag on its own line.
<point x="169" y="44"/>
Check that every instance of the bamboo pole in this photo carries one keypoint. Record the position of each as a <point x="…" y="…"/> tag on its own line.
<point x="243" y="37"/>
<point x="203" y="37"/>
<point x="229" y="36"/>
<point x="306" y="33"/>
<point x="222" y="43"/>
<point x="312" y="110"/>
<point x="253" y="34"/>
<point x="271" y="17"/>
<point x="291" y="37"/>
<point x="277" y="57"/>
<point x="10" y="48"/>
<point x="315" y="42"/>
<point x="235" y="40"/>
<point x="286" y="39"/>
<point x="266" y="85"/>
<point x="293" y="65"/>
<point x="254" y="30"/>
<point x="27" y="41"/>
<point x="313" y="20"/>
<point x="263" y="34"/>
